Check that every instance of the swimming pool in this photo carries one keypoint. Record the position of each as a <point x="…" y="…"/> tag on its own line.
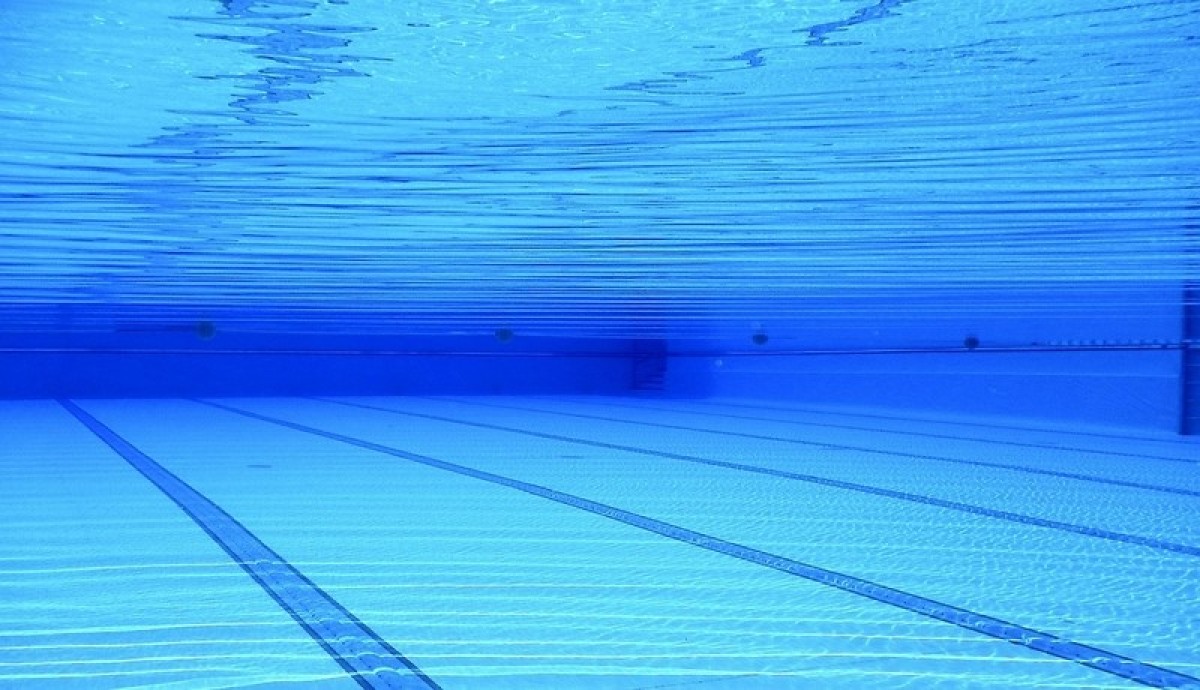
<point x="588" y="542"/>
<point x="550" y="344"/>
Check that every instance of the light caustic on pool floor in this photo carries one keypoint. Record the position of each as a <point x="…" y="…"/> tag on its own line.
<point x="587" y="542"/>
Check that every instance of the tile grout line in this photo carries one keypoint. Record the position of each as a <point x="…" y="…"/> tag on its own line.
<point x="848" y="427"/>
<point x="877" y="451"/>
<point x="932" y="420"/>
<point x="1018" y="518"/>
<point x="1092" y="657"/>
<point x="369" y="659"/>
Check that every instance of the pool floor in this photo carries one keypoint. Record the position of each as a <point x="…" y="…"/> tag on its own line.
<point x="587" y="542"/>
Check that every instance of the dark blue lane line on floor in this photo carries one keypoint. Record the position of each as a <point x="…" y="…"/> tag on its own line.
<point x="949" y="422"/>
<point x="889" y="453"/>
<point x="368" y="658"/>
<point x="656" y="407"/>
<point x="1093" y="657"/>
<point x="1020" y="518"/>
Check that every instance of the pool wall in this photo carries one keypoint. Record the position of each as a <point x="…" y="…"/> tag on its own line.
<point x="1023" y="353"/>
<point x="181" y="364"/>
<point x="1086" y="355"/>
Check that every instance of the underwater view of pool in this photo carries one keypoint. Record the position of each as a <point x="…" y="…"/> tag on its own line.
<point x="599" y="344"/>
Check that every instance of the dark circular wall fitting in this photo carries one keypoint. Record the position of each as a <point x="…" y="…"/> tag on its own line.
<point x="206" y="330"/>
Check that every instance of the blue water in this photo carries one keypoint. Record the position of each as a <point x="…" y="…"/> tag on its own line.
<point x="599" y="169"/>
<point x="600" y="344"/>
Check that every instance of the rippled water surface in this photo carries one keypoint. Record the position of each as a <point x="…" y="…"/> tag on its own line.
<point x="590" y="168"/>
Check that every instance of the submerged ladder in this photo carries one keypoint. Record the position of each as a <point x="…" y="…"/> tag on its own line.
<point x="649" y="365"/>
<point x="1189" y="371"/>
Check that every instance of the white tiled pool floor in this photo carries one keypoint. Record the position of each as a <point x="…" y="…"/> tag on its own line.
<point x="624" y="543"/>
